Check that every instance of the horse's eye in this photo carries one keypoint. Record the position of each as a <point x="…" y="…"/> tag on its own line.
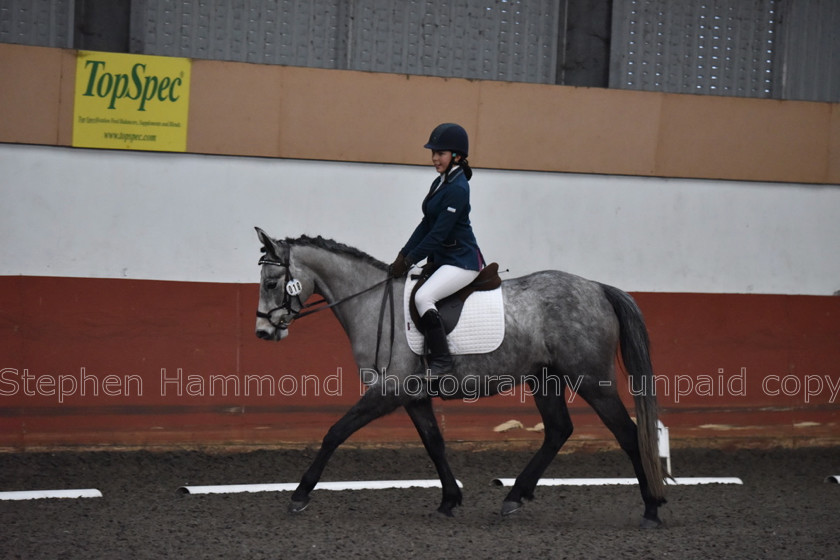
<point x="270" y="285"/>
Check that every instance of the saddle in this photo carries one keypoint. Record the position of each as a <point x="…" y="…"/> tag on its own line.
<point x="450" y="307"/>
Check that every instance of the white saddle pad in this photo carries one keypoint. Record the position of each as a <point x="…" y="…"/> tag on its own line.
<point x="480" y="329"/>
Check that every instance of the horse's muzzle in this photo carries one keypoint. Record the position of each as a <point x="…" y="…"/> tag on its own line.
<point x="271" y="333"/>
<point x="267" y="329"/>
<point x="264" y="334"/>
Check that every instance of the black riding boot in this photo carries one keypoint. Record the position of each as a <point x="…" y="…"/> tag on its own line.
<point x="440" y="360"/>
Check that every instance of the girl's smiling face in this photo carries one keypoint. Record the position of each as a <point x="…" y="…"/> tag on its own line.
<point x="441" y="160"/>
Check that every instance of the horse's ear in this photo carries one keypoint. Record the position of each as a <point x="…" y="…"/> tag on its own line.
<point x="269" y="245"/>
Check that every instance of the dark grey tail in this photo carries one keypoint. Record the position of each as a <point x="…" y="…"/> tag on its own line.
<point x="635" y="354"/>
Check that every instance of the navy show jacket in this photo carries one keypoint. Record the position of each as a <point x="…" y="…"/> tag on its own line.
<point x="444" y="235"/>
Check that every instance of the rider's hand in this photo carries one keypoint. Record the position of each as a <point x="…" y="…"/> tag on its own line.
<point x="399" y="267"/>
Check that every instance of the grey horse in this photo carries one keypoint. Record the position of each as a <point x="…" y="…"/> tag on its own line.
<point x="558" y="327"/>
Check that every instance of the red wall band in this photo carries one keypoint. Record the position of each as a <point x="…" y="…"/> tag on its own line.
<point x="154" y="363"/>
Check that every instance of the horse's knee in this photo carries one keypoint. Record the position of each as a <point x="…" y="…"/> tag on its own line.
<point x="556" y="436"/>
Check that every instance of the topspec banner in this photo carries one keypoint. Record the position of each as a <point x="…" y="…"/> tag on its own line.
<point x="131" y="102"/>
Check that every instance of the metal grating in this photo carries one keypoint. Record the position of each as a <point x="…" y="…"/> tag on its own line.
<point x="809" y="50"/>
<point x="291" y="32"/>
<point x="512" y="40"/>
<point x="723" y="47"/>
<point x="45" y="23"/>
<point x="788" y="49"/>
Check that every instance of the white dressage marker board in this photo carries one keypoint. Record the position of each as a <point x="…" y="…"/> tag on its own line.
<point x="44" y="494"/>
<point x="290" y="486"/>
<point x="679" y="481"/>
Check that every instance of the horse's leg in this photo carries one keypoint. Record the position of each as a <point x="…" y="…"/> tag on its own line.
<point x="613" y="413"/>
<point x="371" y="406"/>
<point x="423" y="416"/>
<point x="558" y="428"/>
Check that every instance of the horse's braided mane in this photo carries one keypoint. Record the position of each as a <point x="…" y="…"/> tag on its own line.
<point x="335" y="247"/>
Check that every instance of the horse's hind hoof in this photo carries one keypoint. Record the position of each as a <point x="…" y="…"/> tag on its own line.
<point x="298" y="507"/>
<point x="650" y="523"/>
<point x="510" y="507"/>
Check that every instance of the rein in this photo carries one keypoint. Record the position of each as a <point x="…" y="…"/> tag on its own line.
<point x="292" y="289"/>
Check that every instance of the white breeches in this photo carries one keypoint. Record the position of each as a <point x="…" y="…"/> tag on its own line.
<point x="444" y="282"/>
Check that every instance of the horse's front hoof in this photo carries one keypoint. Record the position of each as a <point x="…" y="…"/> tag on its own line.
<point x="647" y="523"/>
<point x="509" y="507"/>
<point x="445" y="510"/>
<point x="298" y="507"/>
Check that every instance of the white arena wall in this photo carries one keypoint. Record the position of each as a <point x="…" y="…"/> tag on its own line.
<point x="158" y="216"/>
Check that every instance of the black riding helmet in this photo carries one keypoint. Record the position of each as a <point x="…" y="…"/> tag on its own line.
<point x="451" y="137"/>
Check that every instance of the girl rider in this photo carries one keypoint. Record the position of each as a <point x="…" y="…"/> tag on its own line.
<point x="444" y="237"/>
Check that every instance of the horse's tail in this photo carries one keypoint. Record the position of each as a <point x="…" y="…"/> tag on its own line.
<point x="635" y="354"/>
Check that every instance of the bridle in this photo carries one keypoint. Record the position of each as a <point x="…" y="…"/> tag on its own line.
<point x="292" y="289"/>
